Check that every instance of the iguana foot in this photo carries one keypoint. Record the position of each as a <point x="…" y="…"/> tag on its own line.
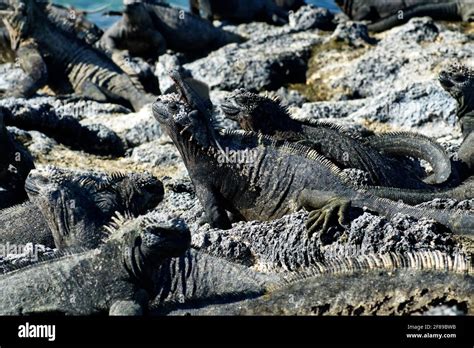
<point x="319" y="220"/>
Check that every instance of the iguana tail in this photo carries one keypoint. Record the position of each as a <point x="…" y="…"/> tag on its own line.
<point x="460" y="222"/>
<point x="416" y="146"/>
<point x="445" y="11"/>
<point x="462" y="192"/>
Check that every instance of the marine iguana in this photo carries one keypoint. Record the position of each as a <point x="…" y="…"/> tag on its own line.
<point x="135" y="33"/>
<point x="458" y="81"/>
<point x="265" y="115"/>
<point x="71" y="209"/>
<point x="390" y="13"/>
<point x="67" y="130"/>
<point x="42" y="47"/>
<point x="260" y="178"/>
<point x="455" y="10"/>
<point x="15" y="164"/>
<point x="197" y="279"/>
<point x="374" y="10"/>
<point x="116" y="278"/>
<point x="75" y="20"/>
<point x="363" y="285"/>
<point x="68" y="18"/>
<point x="240" y="10"/>
<point x="149" y="27"/>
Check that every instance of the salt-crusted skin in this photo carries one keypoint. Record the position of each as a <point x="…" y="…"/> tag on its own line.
<point x="67" y="130"/>
<point x="70" y="210"/>
<point x="67" y="18"/>
<point x="256" y="177"/>
<point x="458" y="80"/>
<point x="149" y="27"/>
<point x="364" y="285"/>
<point x="49" y="55"/>
<point x="267" y="116"/>
<point x="384" y="15"/>
<point x="116" y="278"/>
<point x="197" y="279"/>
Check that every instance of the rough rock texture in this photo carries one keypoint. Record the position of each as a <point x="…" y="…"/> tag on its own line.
<point x="283" y="244"/>
<point x="311" y="17"/>
<point x="381" y="83"/>
<point x="393" y="82"/>
<point x="165" y="63"/>
<point x="9" y="74"/>
<point x="262" y="63"/>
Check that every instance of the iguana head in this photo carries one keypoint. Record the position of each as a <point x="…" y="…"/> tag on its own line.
<point x="133" y="192"/>
<point x="255" y="112"/>
<point x="68" y="209"/>
<point x="185" y="125"/>
<point x="75" y="20"/>
<point x="137" y="14"/>
<point x="458" y="80"/>
<point x="148" y="240"/>
<point x="19" y="20"/>
<point x="76" y="204"/>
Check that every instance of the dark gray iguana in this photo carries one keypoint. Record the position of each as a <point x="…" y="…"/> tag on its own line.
<point x="458" y="80"/>
<point x="267" y="116"/>
<point x="50" y="55"/>
<point x="255" y="177"/>
<point x="68" y="18"/>
<point x="196" y="279"/>
<point x="387" y="14"/>
<point x="116" y="278"/>
<point x="240" y="10"/>
<point x="134" y="33"/>
<point x="67" y="209"/>
<point x="67" y="130"/>
<point x="15" y="164"/>
<point x="148" y="27"/>
<point x="364" y="285"/>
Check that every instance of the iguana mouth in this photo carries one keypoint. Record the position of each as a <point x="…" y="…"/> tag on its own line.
<point x="445" y="80"/>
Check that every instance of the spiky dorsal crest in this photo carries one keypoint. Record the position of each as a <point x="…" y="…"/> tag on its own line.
<point x="420" y="260"/>
<point x="116" y="223"/>
<point x="287" y="147"/>
<point x="15" y="208"/>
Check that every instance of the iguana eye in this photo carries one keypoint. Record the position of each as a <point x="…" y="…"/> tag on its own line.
<point x="459" y="78"/>
<point x="173" y="106"/>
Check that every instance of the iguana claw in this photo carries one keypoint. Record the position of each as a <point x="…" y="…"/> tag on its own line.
<point x="319" y="220"/>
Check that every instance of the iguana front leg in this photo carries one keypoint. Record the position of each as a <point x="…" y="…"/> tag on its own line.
<point x="137" y="305"/>
<point x="324" y="207"/>
<point x="466" y="152"/>
<point x="215" y="211"/>
<point x="33" y="65"/>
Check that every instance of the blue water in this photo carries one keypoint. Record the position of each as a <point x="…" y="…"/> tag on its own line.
<point x="104" y="22"/>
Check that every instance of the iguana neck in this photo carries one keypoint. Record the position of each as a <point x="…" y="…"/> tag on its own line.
<point x="271" y="118"/>
<point x="196" y="276"/>
<point x="137" y="18"/>
<point x="465" y="106"/>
